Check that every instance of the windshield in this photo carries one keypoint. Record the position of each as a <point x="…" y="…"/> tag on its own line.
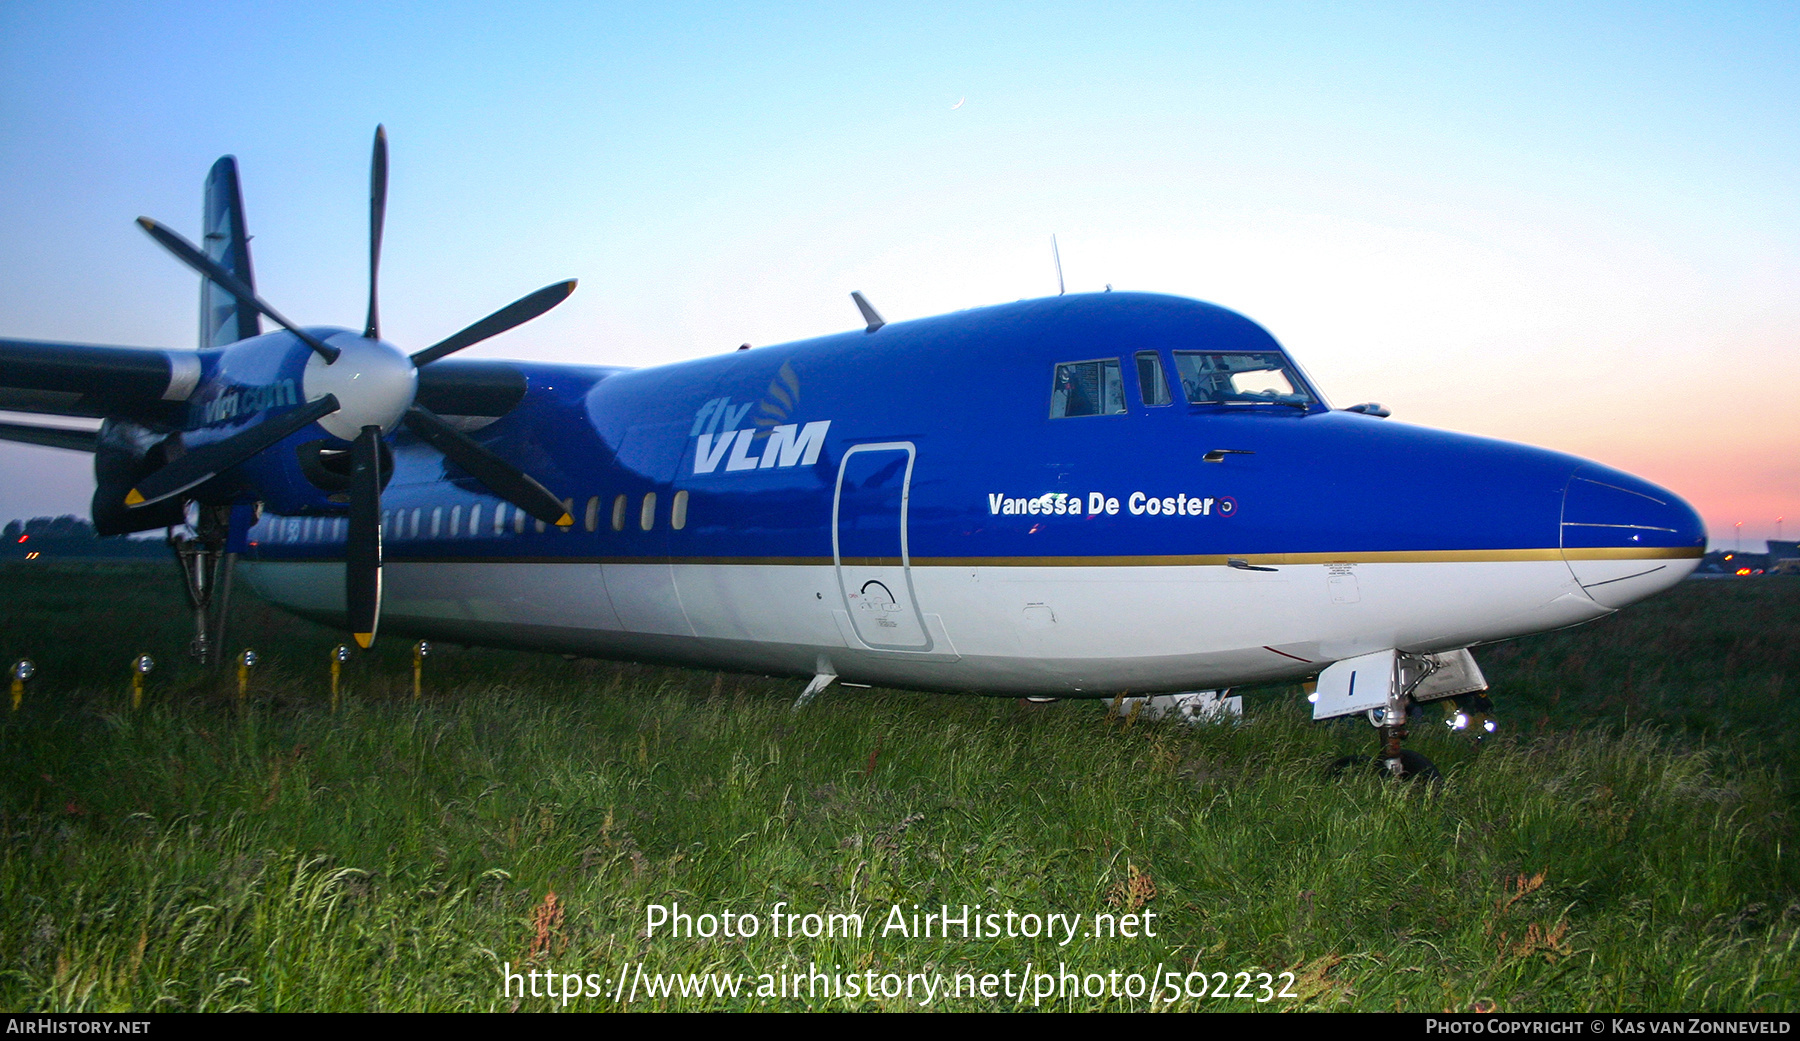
<point x="1240" y="378"/>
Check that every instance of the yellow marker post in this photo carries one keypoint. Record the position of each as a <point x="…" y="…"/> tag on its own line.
<point x="246" y="662"/>
<point x="420" y="650"/>
<point x="22" y="670"/>
<point x="339" y="655"/>
<point x="140" y="667"/>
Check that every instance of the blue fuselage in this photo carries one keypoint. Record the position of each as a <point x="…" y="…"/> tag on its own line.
<point x="933" y="447"/>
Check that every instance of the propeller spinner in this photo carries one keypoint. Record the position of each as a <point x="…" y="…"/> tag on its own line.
<point x="357" y="388"/>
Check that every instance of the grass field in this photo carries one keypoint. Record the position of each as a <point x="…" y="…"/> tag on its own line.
<point x="1627" y="843"/>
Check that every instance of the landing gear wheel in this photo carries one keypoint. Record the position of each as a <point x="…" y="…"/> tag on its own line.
<point x="1413" y="767"/>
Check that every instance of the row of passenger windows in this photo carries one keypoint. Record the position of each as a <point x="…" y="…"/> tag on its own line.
<point x="1097" y="387"/>
<point x="448" y="522"/>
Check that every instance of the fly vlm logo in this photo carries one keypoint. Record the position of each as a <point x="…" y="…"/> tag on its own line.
<point x="782" y="444"/>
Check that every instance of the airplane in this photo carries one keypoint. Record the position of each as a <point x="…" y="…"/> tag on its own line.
<point x="1080" y="496"/>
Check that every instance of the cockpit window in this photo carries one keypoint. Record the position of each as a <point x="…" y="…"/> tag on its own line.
<point x="1152" y="388"/>
<point x="1232" y="378"/>
<point x="1087" y="388"/>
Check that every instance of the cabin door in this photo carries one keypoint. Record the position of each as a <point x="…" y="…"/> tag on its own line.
<point x="868" y="543"/>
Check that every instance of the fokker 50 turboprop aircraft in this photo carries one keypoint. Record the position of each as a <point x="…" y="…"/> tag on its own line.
<point x="1075" y="496"/>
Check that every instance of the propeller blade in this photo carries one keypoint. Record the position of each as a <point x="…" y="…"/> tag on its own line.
<point x="362" y="554"/>
<point x="206" y="266"/>
<point x="377" y="218"/>
<point x="208" y="461"/>
<point x="500" y="476"/>
<point x="516" y="313"/>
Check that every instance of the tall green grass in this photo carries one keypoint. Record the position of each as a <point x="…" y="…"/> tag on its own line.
<point x="199" y="854"/>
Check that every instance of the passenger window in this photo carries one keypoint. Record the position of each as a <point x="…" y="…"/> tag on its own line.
<point x="1087" y="388"/>
<point x="678" y="510"/>
<point x="1152" y="387"/>
<point x="475" y="520"/>
<point x="593" y="513"/>
<point x="619" y="513"/>
<point x="647" y="515"/>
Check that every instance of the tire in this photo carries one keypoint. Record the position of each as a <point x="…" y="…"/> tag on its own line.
<point x="1413" y="767"/>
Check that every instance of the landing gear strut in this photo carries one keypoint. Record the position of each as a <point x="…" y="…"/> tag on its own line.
<point x="1387" y="686"/>
<point x="1401" y="764"/>
<point x="206" y="569"/>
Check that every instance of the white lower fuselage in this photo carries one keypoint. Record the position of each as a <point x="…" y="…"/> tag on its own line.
<point x="1069" y="630"/>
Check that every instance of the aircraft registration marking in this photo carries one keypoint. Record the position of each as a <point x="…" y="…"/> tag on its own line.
<point x="1096" y="503"/>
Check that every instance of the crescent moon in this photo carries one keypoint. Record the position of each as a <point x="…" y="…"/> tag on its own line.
<point x="959" y="103"/>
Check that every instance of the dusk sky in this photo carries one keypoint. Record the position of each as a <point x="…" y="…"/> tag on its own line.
<point x="1573" y="226"/>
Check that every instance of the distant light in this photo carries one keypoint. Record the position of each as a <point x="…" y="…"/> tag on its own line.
<point x="1459" y="721"/>
<point x="22" y="538"/>
<point x="1491" y="726"/>
<point x="1313" y="697"/>
<point x="1741" y="571"/>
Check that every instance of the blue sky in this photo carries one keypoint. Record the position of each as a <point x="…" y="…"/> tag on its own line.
<point x="1577" y="226"/>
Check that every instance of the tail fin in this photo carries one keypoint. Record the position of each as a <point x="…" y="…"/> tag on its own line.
<point x="223" y="318"/>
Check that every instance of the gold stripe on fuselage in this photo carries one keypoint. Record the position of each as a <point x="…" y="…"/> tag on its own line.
<point x="1406" y="556"/>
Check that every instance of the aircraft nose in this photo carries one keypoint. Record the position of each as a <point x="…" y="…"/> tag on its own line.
<point x="1625" y="538"/>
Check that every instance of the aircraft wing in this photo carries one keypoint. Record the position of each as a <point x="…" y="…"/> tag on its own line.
<point x="144" y="385"/>
<point x="51" y="437"/>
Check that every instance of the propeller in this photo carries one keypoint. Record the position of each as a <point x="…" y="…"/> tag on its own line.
<point x="362" y="553"/>
<point x="518" y="312"/>
<point x="360" y="388"/>
<point x="204" y="463"/>
<point x="210" y="268"/>
<point x="499" y="475"/>
<point x="377" y="218"/>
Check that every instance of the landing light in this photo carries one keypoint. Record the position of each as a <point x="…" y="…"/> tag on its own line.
<point x="1461" y="721"/>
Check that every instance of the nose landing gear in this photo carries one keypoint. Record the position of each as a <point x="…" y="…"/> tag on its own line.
<point x="1387" y="685"/>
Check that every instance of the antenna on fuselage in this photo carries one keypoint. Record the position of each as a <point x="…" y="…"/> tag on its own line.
<point x="1056" y="255"/>
<point x="869" y="313"/>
